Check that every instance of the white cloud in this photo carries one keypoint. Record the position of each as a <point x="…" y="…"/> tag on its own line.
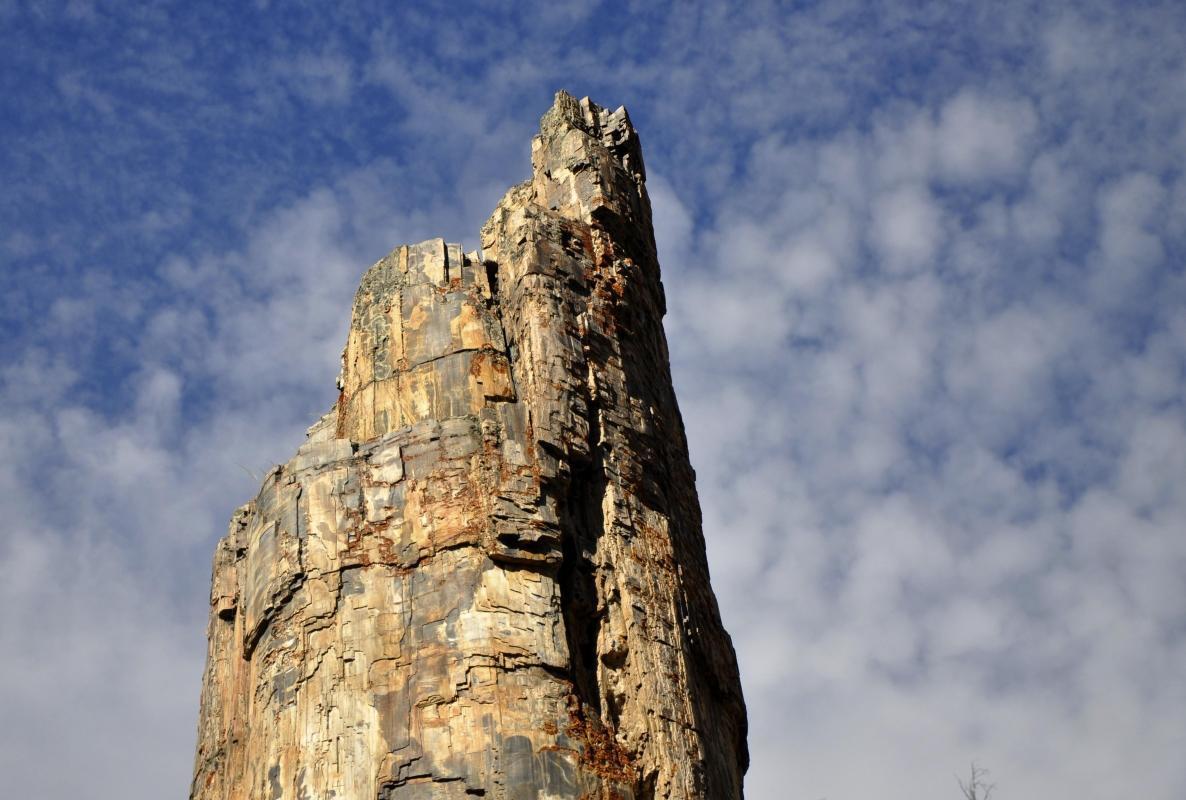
<point x="1130" y="243"/>
<point x="906" y="228"/>
<point x="975" y="506"/>
<point x="980" y="137"/>
<point x="673" y="223"/>
<point x="1038" y="217"/>
<point x="325" y="79"/>
<point x="808" y="264"/>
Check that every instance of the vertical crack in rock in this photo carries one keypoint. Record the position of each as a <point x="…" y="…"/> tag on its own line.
<point x="584" y="524"/>
<point x="483" y="574"/>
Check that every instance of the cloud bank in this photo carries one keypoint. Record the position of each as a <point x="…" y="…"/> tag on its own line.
<point x="924" y="270"/>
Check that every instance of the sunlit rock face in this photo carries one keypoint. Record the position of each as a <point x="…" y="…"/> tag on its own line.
<point x="483" y="574"/>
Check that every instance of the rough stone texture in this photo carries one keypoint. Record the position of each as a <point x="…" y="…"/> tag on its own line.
<point x="484" y="574"/>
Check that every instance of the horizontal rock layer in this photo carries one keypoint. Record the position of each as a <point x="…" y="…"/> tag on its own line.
<point x="483" y="575"/>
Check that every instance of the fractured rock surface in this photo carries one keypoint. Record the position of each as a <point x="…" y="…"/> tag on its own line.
<point x="483" y="574"/>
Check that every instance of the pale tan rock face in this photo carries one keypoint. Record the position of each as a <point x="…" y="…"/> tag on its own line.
<point x="483" y="575"/>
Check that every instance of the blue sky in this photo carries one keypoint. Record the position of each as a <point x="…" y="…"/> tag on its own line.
<point x="924" y="265"/>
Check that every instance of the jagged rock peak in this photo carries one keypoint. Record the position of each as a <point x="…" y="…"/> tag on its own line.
<point x="483" y="574"/>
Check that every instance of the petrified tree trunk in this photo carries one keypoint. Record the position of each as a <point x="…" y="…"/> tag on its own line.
<point x="484" y="574"/>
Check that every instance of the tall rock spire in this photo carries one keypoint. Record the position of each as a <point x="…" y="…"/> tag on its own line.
<point x="483" y="574"/>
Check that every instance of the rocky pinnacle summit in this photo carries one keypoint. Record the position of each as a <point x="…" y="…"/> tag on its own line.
<point x="483" y="574"/>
